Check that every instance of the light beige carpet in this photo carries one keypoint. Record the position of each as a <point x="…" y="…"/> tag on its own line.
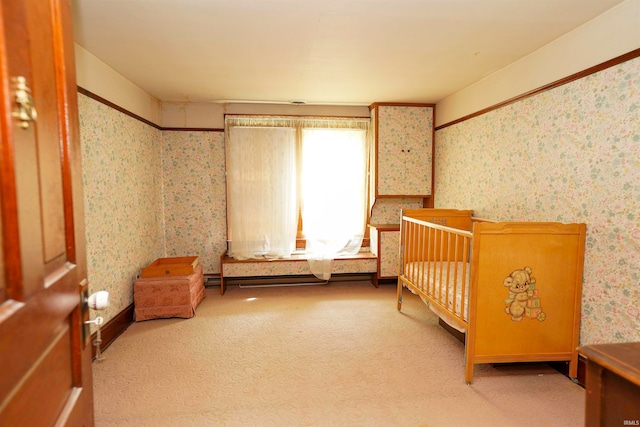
<point x="332" y="355"/>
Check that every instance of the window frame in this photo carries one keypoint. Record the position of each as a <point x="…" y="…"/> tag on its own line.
<point x="299" y="122"/>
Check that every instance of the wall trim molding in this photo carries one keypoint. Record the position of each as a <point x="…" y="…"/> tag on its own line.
<point x="116" y="107"/>
<point x="573" y="77"/>
<point x="142" y="119"/>
<point x="174" y="129"/>
<point x="113" y="329"/>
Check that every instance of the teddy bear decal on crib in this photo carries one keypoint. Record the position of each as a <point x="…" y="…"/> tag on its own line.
<point x="523" y="300"/>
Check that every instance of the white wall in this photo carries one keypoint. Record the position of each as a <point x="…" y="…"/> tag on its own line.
<point x="211" y="115"/>
<point x="97" y="77"/>
<point x="614" y="33"/>
<point x="102" y="80"/>
<point x="192" y="115"/>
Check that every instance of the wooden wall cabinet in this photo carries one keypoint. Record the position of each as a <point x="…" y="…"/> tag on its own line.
<point x="612" y="384"/>
<point x="403" y="154"/>
<point x="384" y="243"/>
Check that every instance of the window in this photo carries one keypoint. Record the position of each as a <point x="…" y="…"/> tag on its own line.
<point x="286" y="172"/>
<point x="261" y="191"/>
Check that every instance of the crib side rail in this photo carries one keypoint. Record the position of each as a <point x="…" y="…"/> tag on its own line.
<point x="435" y="262"/>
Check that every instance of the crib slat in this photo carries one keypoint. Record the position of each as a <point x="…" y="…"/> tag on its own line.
<point x="437" y="256"/>
<point x="455" y="273"/>
<point x="418" y="243"/>
<point x="410" y="244"/>
<point x="465" y="262"/>
<point x="428" y="260"/>
<point x="421" y="267"/>
<point x="446" y="299"/>
<point x="441" y="259"/>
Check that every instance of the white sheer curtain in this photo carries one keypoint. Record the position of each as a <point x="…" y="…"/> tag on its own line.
<point x="333" y="188"/>
<point x="261" y="191"/>
<point x="278" y="166"/>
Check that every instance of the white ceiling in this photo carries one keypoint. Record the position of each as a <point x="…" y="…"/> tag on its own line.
<point x="352" y="52"/>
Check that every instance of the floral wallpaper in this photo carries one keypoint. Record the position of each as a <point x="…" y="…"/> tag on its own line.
<point x="148" y="194"/>
<point x="570" y="154"/>
<point x="387" y="211"/>
<point x="194" y="196"/>
<point x="389" y="246"/>
<point x="122" y="179"/>
<point x="152" y="193"/>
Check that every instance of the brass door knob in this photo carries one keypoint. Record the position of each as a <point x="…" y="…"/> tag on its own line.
<point x="26" y="109"/>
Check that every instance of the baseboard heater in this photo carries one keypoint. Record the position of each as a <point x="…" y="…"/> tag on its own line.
<point x="288" y="280"/>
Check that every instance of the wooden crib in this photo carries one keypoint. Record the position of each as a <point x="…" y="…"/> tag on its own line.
<point x="514" y="288"/>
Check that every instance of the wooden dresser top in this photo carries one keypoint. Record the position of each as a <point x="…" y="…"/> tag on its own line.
<point x="622" y="359"/>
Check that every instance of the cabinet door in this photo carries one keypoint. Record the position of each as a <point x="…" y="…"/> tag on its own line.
<point x="404" y="143"/>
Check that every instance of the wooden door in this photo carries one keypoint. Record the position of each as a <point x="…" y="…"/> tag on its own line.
<point x="45" y="353"/>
